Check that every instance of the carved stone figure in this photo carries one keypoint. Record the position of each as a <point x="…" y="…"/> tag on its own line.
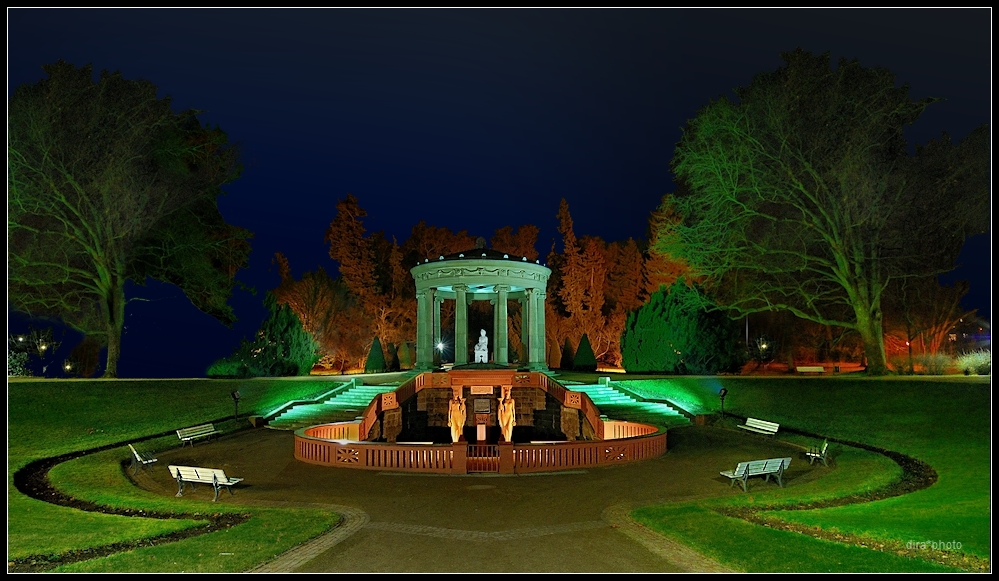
<point x="456" y="417"/>
<point x="482" y="348"/>
<point x="507" y="415"/>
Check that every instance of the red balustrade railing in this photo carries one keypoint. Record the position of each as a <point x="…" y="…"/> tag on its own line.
<point x="316" y="446"/>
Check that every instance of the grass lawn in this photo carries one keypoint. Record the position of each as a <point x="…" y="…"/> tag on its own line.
<point x="52" y="418"/>
<point x="944" y="422"/>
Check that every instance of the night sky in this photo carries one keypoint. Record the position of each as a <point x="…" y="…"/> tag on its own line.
<point x="467" y="119"/>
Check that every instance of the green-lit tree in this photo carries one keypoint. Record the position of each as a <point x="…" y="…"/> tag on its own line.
<point x="283" y="341"/>
<point x="674" y="333"/>
<point x="106" y="183"/>
<point x="801" y="195"/>
<point x="280" y="348"/>
<point x="584" y="360"/>
<point x="375" y="363"/>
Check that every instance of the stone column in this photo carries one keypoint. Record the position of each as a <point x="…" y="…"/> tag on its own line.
<point x="437" y="330"/>
<point x="460" y="324"/>
<point x="424" y="329"/>
<point x="536" y="306"/>
<point x="502" y="350"/>
<point x="492" y="338"/>
<point x="525" y="330"/>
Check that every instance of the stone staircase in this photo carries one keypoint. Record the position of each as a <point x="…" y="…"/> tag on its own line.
<point x="343" y="407"/>
<point x="616" y="404"/>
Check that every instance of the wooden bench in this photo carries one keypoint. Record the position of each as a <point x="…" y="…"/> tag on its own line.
<point x="196" y="433"/>
<point x="141" y="459"/>
<point x="810" y="369"/>
<point x="744" y="470"/>
<point x="819" y="453"/>
<point x="193" y="475"/>
<point x="760" y="426"/>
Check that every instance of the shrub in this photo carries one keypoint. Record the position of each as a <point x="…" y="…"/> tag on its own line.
<point x="375" y="363"/>
<point x="976" y="362"/>
<point x="17" y="364"/>
<point x="934" y="363"/>
<point x="568" y="355"/>
<point x="584" y="360"/>
<point x="406" y="357"/>
<point x="228" y="367"/>
<point x="900" y="364"/>
<point x="392" y="363"/>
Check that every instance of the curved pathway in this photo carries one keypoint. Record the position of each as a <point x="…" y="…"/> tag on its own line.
<point x="573" y="521"/>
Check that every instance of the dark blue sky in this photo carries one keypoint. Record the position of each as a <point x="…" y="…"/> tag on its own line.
<point x="469" y="119"/>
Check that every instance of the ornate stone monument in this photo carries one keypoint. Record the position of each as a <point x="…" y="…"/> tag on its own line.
<point x="481" y="275"/>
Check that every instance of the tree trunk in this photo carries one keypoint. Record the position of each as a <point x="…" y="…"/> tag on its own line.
<point x="869" y="327"/>
<point x="115" y="321"/>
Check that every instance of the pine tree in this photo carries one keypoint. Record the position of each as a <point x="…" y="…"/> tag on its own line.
<point x="584" y="360"/>
<point x="375" y="362"/>
<point x="568" y="355"/>
<point x="672" y="333"/>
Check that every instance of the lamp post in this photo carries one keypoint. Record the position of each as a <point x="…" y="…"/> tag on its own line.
<point x="721" y="396"/>
<point x="235" y="399"/>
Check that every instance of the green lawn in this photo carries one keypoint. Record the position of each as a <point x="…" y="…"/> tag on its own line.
<point x="944" y="422"/>
<point x="51" y="418"/>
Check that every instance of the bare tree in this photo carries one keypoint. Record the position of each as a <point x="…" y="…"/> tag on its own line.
<point x="801" y="195"/>
<point x="107" y="184"/>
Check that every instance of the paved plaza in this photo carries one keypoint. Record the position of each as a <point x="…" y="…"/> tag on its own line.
<point x="572" y="521"/>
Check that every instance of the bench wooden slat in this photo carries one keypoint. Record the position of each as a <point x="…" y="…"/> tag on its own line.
<point x="770" y="467"/>
<point x="194" y="475"/>
<point x="196" y="432"/>
<point x="141" y="459"/>
<point x="810" y="369"/>
<point x="819" y="454"/>
<point x="760" y="426"/>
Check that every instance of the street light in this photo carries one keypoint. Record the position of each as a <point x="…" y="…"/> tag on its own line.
<point x="235" y="399"/>
<point x="721" y="395"/>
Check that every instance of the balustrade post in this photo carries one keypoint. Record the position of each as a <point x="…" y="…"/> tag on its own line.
<point x="459" y="457"/>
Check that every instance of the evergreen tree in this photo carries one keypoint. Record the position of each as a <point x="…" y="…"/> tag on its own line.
<point x="405" y="357"/>
<point x="393" y="360"/>
<point x="672" y="333"/>
<point x="585" y="360"/>
<point x="281" y="348"/>
<point x="568" y="355"/>
<point x="375" y="362"/>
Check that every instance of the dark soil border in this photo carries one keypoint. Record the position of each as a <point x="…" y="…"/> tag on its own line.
<point x="916" y="475"/>
<point x="33" y="480"/>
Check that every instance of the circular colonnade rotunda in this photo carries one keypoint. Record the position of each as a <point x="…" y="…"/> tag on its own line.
<point x="481" y="275"/>
<point x="489" y="415"/>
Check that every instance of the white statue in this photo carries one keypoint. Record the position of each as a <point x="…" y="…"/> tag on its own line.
<point x="482" y="348"/>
